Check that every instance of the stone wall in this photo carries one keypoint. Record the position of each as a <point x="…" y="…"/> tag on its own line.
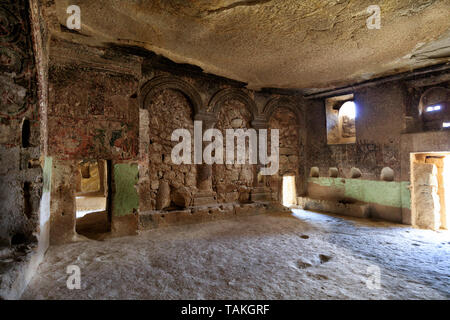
<point x="93" y="115"/>
<point x="21" y="173"/>
<point x="168" y="110"/>
<point x="378" y="128"/>
<point x="388" y="129"/>
<point x="25" y="171"/>
<point x="291" y="153"/>
<point x="172" y="98"/>
<point x="233" y="182"/>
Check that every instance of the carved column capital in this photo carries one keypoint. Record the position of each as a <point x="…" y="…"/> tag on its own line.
<point x="260" y="123"/>
<point x="209" y="119"/>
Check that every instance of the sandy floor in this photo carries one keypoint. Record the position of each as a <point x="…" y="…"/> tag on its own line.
<point x="309" y="256"/>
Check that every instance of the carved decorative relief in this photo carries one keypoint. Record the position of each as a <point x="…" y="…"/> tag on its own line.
<point x="16" y="60"/>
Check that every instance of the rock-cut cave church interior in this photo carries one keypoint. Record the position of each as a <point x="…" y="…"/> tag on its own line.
<point x="210" y="150"/>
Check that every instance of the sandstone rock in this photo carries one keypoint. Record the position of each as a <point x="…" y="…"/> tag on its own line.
<point x="156" y="147"/>
<point x="154" y="185"/>
<point x="163" y="196"/>
<point x="284" y="159"/>
<point x="176" y="184"/>
<point x="260" y="178"/>
<point x="167" y="158"/>
<point x="182" y="197"/>
<point x="244" y="194"/>
<point x="355" y="173"/>
<point x="234" y="175"/>
<point x="221" y="188"/>
<point x="287" y="151"/>
<point x="333" y="172"/>
<point x="231" y="196"/>
<point x="240" y="19"/>
<point x="314" y="172"/>
<point x="246" y="174"/>
<point x="170" y="175"/>
<point x="426" y="199"/>
<point x="427" y="207"/>
<point x="387" y="174"/>
<point x="293" y="159"/>
<point x="426" y="175"/>
<point x="190" y="179"/>
<point x="237" y="123"/>
<point x="230" y="188"/>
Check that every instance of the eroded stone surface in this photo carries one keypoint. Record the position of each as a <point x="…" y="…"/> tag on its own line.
<point x="387" y="174"/>
<point x="237" y="258"/>
<point x="288" y="44"/>
<point x="426" y="197"/>
<point x="229" y="181"/>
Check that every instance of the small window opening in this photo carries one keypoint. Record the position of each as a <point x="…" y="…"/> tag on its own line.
<point x="341" y="112"/>
<point x="26" y="133"/>
<point x="433" y="108"/>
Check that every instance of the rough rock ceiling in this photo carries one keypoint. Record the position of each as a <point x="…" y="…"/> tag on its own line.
<point x="297" y="44"/>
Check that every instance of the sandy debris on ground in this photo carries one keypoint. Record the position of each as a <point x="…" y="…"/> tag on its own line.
<point x="305" y="255"/>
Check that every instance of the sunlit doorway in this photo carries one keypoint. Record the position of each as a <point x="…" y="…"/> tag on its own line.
<point x="289" y="191"/>
<point x="92" y="196"/>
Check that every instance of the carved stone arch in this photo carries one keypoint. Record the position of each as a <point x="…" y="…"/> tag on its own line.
<point x="151" y="87"/>
<point x="220" y="97"/>
<point x="280" y="102"/>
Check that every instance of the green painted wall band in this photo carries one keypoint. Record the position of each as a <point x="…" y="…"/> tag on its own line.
<point x="47" y="174"/>
<point x="125" y="198"/>
<point x="388" y="193"/>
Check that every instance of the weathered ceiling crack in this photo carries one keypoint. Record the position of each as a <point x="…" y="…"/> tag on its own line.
<point x="247" y="3"/>
<point x="411" y="11"/>
<point x="334" y="20"/>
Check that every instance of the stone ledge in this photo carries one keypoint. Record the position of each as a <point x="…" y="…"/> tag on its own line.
<point x="354" y="209"/>
<point x="160" y="218"/>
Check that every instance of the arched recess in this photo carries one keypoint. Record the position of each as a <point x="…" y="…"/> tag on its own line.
<point x="281" y="113"/>
<point x="434" y="108"/>
<point x="432" y="96"/>
<point x="167" y="104"/>
<point x="223" y="95"/>
<point x="153" y="86"/>
<point x="233" y="109"/>
<point x="280" y="102"/>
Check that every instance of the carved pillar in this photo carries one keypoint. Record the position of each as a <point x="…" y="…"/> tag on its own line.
<point x="102" y="177"/>
<point x="205" y="194"/>
<point x="260" y="191"/>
